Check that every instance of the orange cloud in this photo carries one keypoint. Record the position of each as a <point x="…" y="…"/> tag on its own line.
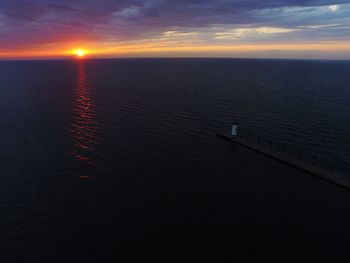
<point x="159" y="49"/>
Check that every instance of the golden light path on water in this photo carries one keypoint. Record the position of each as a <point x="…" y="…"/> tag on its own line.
<point x="83" y="128"/>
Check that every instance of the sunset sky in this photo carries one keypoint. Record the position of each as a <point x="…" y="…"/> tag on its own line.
<point x="175" y="28"/>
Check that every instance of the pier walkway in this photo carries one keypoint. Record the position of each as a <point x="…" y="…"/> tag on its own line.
<point x="327" y="174"/>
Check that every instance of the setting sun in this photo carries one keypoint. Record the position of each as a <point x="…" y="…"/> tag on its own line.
<point x="80" y="53"/>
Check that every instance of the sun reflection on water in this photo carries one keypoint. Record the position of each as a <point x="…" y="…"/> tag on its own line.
<point x="83" y="128"/>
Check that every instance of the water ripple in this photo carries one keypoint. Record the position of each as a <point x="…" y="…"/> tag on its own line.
<point x="83" y="128"/>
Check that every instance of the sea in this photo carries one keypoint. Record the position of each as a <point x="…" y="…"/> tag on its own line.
<point x="116" y="160"/>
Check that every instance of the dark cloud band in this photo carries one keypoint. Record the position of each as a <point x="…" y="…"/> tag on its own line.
<point x="45" y="21"/>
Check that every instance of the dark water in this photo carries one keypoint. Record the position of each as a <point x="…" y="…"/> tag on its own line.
<point x="117" y="159"/>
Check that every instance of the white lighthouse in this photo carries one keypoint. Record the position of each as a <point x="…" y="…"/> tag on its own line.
<point x="234" y="131"/>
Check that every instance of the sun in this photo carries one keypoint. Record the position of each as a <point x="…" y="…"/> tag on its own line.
<point x="80" y="53"/>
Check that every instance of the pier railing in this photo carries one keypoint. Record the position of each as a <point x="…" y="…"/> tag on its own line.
<point x="293" y="152"/>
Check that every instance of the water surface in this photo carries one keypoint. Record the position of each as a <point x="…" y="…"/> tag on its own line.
<point x="118" y="156"/>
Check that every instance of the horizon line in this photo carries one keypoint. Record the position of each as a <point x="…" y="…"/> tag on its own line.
<point x="167" y="57"/>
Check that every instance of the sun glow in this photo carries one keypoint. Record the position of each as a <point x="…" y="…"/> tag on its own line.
<point x="80" y="53"/>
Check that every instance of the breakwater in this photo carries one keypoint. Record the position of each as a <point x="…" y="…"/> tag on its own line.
<point x="322" y="169"/>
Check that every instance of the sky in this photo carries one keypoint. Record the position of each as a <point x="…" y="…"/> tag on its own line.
<point x="175" y="28"/>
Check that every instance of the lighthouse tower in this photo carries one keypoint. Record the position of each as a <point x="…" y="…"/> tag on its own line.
<point x="234" y="131"/>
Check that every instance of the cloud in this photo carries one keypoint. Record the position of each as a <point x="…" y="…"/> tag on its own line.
<point x="333" y="8"/>
<point x="243" y="33"/>
<point x="128" y="12"/>
<point x="43" y="22"/>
